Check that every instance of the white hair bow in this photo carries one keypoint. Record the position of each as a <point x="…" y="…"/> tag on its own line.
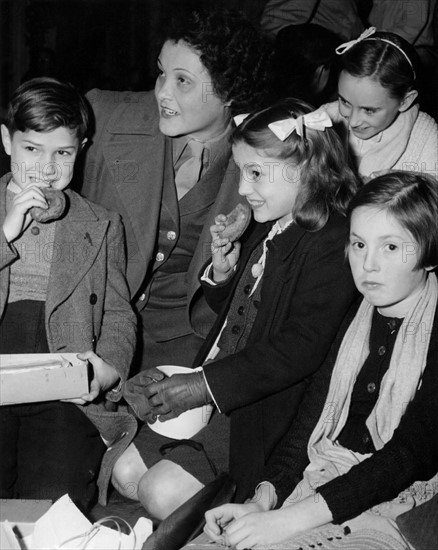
<point x="317" y="120"/>
<point x="238" y="119"/>
<point x="347" y="45"/>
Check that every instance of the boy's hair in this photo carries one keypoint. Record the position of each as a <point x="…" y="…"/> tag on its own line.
<point x="412" y="199"/>
<point x="232" y="50"/>
<point x="383" y="62"/>
<point x="327" y="183"/>
<point x="45" y="104"/>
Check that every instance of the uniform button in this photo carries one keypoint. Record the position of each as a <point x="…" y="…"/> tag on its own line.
<point x="247" y="289"/>
<point x="371" y="387"/>
<point x="381" y="350"/>
<point x="241" y="310"/>
<point x="365" y="438"/>
<point x="256" y="304"/>
<point x="142" y="297"/>
<point x="93" y="299"/>
<point x="171" y="235"/>
<point x="235" y="329"/>
<point x="159" y="257"/>
<point x="35" y="230"/>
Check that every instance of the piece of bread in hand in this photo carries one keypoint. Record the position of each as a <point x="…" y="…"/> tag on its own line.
<point x="56" y="201"/>
<point x="237" y="221"/>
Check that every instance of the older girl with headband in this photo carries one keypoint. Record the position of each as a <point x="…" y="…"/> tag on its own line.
<point x="360" y="455"/>
<point x="377" y="91"/>
<point x="281" y="292"/>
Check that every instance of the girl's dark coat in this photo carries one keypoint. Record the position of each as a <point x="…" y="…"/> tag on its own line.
<point x="307" y="289"/>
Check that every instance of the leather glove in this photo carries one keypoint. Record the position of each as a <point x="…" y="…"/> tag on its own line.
<point x="177" y="394"/>
<point x="134" y="393"/>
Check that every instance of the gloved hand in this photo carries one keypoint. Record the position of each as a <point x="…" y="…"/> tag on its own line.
<point x="134" y="393"/>
<point x="177" y="394"/>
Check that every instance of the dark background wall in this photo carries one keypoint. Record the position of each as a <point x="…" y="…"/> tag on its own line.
<point x="106" y="43"/>
<point x="109" y="44"/>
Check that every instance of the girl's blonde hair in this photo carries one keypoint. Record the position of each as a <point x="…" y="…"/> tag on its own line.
<point x="327" y="183"/>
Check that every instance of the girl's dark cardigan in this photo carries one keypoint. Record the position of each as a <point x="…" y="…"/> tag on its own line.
<point x="410" y="455"/>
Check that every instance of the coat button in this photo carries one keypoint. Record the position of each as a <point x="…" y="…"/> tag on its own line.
<point x="365" y="438"/>
<point x="247" y="289"/>
<point x="256" y="304"/>
<point x="159" y="257"/>
<point x="35" y="230"/>
<point x="381" y="350"/>
<point x="240" y="310"/>
<point x="371" y="387"/>
<point x="93" y="299"/>
<point x="142" y="297"/>
<point x="235" y="329"/>
<point x="171" y="235"/>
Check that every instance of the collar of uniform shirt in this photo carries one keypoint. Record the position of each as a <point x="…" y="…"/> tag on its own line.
<point x="213" y="148"/>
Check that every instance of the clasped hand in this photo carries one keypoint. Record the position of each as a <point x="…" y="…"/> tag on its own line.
<point x="152" y="395"/>
<point x="174" y="395"/>
<point x="246" y="526"/>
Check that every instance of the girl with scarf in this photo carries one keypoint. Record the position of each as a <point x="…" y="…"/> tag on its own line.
<point x="364" y="445"/>
<point x="377" y="106"/>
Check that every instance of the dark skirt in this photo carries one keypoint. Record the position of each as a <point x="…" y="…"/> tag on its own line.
<point x="203" y="456"/>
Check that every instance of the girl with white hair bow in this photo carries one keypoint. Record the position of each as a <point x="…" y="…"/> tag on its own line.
<point x="378" y="109"/>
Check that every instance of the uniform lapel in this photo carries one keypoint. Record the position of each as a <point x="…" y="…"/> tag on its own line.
<point x="139" y="183"/>
<point x="136" y="160"/>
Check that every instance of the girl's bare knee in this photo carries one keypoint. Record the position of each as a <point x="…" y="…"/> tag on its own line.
<point x="164" y="487"/>
<point x="127" y="473"/>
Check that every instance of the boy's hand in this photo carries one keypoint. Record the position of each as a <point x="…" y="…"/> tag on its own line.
<point x="105" y="377"/>
<point x="224" y="253"/>
<point x="18" y="217"/>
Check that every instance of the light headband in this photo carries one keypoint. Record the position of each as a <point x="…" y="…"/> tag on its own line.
<point x="367" y="35"/>
<point x="316" y="120"/>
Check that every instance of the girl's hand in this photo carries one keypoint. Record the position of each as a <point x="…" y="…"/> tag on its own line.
<point x="224" y="253"/>
<point x="258" y="528"/>
<point x="219" y="518"/>
<point x="18" y="217"/>
<point x="245" y="526"/>
<point x="105" y="377"/>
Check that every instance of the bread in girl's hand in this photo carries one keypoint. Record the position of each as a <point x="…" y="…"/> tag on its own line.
<point x="237" y="221"/>
<point x="56" y="201"/>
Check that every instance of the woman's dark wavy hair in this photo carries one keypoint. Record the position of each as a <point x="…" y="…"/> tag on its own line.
<point x="232" y="50"/>
<point x="44" y="104"/>
<point x="412" y="198"/>
<point x="383" y="62"/>
<point x="327" y="183"/>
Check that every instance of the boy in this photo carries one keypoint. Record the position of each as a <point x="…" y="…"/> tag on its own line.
<point x="62" y="289"/>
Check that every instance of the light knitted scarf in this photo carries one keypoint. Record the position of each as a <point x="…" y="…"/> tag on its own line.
<point x="383" y="151"/>
<point x="327" y="458"/>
